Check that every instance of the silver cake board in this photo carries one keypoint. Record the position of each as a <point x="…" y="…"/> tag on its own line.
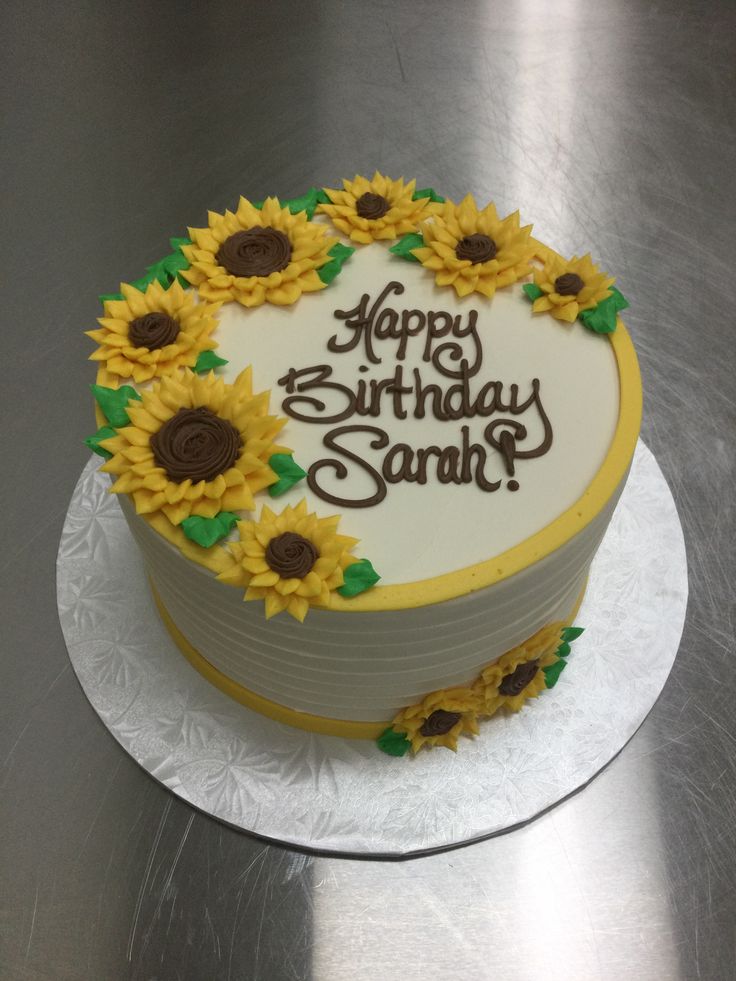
<point x="327" y="794"/>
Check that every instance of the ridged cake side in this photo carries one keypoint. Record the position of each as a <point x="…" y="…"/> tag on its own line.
<point x="364" y="666"/>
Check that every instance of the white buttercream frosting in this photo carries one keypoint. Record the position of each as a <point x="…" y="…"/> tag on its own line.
<point x="421" y="531"/>
<point x="366" y="666"/>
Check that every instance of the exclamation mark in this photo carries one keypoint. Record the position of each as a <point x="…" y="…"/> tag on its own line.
<point x="507" y="442"/>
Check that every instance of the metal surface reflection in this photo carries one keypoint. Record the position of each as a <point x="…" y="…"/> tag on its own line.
<point x="611" y="126"/>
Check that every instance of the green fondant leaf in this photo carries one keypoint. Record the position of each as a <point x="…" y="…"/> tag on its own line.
<point x="394" y="743"/>
<point x="602" y="318"/>
<point x="307" y="202"/>
<point x="553" y="671"/>
<point x="563" y="650"/>
<point x="405" y="244"/>
<point x="340" y="254"/>
<point x="113" y="401"/>
<point x="322" y="197"/>
<point x="207" y="531"/>
<point x="358" y="577"/>
<point x="571" y="633"/>
<point x="428" y="192"/>
<point x="173" y="263"/>
<point x="144" y="282"/>
<point x="104" y="432"/>
<point x="532" y="291"/>
<point x="287" y="470"/>
<point x="207" y="361"/>
<point x="167" y="269"/>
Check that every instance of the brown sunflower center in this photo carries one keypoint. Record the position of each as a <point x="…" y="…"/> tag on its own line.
<point x="476" y="248"/>
<point x="516" y="682"/>
<point x="196" y="444"/>
<point x="290" y="555"/>
<point x="154" y="331"/>
<point x="439" y="722"/>
<point x="371" y="206"/>
<point x="568" y="284"/>
<point x="255" y="252"/>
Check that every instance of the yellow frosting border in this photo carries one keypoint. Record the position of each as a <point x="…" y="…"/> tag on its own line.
<point x="553" y="536"/>
<point x="273" y="710"/>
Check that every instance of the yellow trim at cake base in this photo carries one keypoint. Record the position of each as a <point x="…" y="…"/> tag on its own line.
<point x="280" y="713"/>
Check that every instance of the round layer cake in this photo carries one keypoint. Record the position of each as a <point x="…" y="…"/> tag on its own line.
<point x="368" y="443"/>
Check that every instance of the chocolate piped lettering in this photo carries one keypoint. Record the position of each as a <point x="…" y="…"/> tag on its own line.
<point x="371" y="324"/>
<point x="341" y="471"/>
<point x="451" y="345"/>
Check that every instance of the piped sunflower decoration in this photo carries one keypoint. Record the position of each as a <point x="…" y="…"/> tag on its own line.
<point x="194" y="446"/>
<point x="150" y="334"/>
<point x="574" y="288"/>
<point x="379" y="208"/>
<point x="258" y="255"/>
<point x="440" y="719"/>
<point x="291" y="561"/>
<point x="520" y="674"/>
<point x="472" y="250"/>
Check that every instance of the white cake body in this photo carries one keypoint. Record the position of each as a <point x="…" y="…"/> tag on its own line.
<point x="366" y="664"/>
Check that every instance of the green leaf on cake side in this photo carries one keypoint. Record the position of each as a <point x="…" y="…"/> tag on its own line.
<point x="93" y="442"/>
<point x="208" y="361"/>
<point x="394" y="743"/>
<point x="601" y="319"/>
<point x="340" y="255"/>
<point x="428" y="192"/>
<point x="357" y="578"/>
<point x="571" y="633"/>
<point x="405" y="244"/>
<point x="553" y="671"/>
<point x="208" y="531"/>
<point x="113" y="402"/>
<point x="532" y="291"/>
<point x="287" y="470"/>
<point x="110" y="296"/>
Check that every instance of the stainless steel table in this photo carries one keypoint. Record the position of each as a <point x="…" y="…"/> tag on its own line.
<point x="611" y="124"/>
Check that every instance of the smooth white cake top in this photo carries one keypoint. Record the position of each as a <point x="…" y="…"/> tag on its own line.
<point x="423" y="530"/>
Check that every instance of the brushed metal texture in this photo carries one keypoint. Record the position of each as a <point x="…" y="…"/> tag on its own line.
<point x="611" y="124"/>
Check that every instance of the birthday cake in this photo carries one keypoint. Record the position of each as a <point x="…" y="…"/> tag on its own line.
<point x="368" y="442"/>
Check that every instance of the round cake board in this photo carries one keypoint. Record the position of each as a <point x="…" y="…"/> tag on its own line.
<point x="328" y="794"/>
